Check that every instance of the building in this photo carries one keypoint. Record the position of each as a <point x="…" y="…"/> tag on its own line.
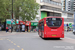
<point x="74" y="5"/>
<point x="64" y="5"/>
<point x="67" y="5"/>
<point x="48" y="8"/>
<point x="70" y="5"/>
<point x="67" y="12"/>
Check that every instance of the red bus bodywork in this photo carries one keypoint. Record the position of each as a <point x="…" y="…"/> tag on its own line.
<point x="51" y="32"/>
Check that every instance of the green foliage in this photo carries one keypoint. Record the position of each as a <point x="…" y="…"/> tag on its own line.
<point x="28" y="9"/>
<point x="4" y="13"/>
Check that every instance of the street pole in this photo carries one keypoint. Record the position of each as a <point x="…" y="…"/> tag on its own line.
<point x="12" y="18"/>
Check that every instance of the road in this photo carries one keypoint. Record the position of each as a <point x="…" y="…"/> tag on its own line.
<point x="31" y="41"/>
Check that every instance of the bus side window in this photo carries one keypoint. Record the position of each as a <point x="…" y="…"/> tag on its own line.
<point x="42" y="25"/>
<point x="39" y="26"/>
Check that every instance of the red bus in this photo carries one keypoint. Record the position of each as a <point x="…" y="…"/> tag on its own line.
<point x="51" y="27"/>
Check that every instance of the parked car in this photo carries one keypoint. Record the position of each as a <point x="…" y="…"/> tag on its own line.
<point x="74" y="31"/>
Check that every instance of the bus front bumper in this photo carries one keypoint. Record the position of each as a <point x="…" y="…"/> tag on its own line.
<point x="54" y="36"/>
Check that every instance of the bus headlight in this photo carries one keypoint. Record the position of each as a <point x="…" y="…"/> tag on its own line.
<point x="45" y="24"/>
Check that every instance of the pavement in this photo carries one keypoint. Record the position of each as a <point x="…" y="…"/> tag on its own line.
<point x="31" y="41"/>
<point x="4" y="33"/>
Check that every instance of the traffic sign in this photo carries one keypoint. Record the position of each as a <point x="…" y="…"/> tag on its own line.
<point x="11" y="20"/>
<point x="70" y="25"/>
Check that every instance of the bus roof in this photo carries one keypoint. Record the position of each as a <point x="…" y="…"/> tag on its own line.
<point x="51" y="17"/>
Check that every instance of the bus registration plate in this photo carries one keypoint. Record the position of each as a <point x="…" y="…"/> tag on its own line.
<point x="53" y="35"/>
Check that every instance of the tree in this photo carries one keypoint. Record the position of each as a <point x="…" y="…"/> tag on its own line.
<point x="28" y="9"/>
<point x="4" y="13"/>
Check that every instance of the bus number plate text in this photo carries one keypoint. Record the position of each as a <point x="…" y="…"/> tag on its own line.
<point x="53" y="35"/>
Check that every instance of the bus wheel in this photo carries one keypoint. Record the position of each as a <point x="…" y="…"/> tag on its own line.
<point x="39" y="34"/>
<point x="58" y="38"/>
<point x="42" y="36"/>
<point x="74" y="33"/>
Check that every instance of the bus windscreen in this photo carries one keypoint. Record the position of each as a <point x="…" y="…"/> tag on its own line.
<point x="54" y="22"/>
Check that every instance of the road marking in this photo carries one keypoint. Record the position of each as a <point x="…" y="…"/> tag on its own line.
<point x="1" y="39"/>
<point x="18" y="46"/>
<point x="69" y="40"/>
<point x="22" y="49"/>
<point x="11" y="42"/>
<point x="14" y="44"/>
<point x="69" y="35"/>
<point x="11" y="49"/>
<point x="7" y="39"/>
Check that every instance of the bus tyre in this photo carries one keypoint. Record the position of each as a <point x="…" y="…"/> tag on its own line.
<point x="74" y="33"/>
<point x="42" y="36"/>
<point x="58" y="38"/>
<point x="39" y="34"/>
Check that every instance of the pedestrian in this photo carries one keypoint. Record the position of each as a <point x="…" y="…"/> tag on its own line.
<point x="17" y="30"/>
<point x="20" y="28"/>
<point x="67" y="27"/>
<point x="10" y="29"/>
<point x="70" y="29"/>
<point x="35" y="29"/>
<point x="27" y="29"/>
<point x="7" y="29"/>
<point x="0" y="28"/>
